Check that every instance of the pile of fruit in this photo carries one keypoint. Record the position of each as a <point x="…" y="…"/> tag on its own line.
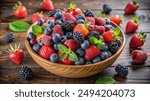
<point x="73" y="36"/>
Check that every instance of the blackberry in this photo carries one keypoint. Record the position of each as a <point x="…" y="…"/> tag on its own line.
<point x="89" y="13"/>
<point x="9" y="37"/>
<point x="68" y="26"/>
<point x="122" y="70"/>
<point x="26" y="73"/>
<point x="78" y="37"/>
<point x="94" y="34"/>
<point x="113" y="47"/>
<point x="51" y="13"/>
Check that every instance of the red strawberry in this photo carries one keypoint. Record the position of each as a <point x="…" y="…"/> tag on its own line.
<point x="72" y="44"/>
<point x="69" y="17"/>
<point x="57" y="29"/>
<point x="36" y="17"/>
<point x="47" y="5"/>
<point x="46" y="40"/>
<point x="16" y="54"/>
<point x="99" y="21"/>
<point x="100" y="29"/>
<point x="139" y="56"/>
<point x="91" y="52"/>
<point x="131" y="7"/>
<point x="46" y="51"/>
<point x="20" y="10"/>
<point x="90" y="20"/>
<point x="132" y="25"/>
<point x="49" y="18"/>
<point x="116" y="19"/>
<point x="137" y="40"/>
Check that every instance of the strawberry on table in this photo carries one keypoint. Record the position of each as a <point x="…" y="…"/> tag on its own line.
<point x="47" y="5"/>
<point x="16" y="54"/>
<point x="36" y="17"/>
<point x="131" y="7"/>
<point x="137" y="40"/>
<point x="20" y="10"/>
<point x="116" y="19"/>
<point x="132" y="25"/>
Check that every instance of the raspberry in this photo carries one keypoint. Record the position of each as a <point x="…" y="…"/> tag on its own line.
<point x="26" y="73"/>
<point x="122" y="70"/>
<point x="68" y="26"/>
<point x="78" y="37"/>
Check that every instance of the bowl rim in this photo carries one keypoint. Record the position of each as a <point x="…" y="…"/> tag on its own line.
<point x="76" y="66"/>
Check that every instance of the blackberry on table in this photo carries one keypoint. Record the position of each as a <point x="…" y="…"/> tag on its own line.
<point x="89" y="13"/>
<point x="122" y="70"/>
<point x="9" y="37"/>
<point x="68" y="26"/>
<point x="26" y="73"/>
<point x="113" y="47"/>
<point x="78" y="37"/>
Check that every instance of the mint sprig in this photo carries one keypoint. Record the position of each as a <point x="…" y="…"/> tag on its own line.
<point x="105" y="80"/>
<point x="66" y="52"/>
<point x="36" y="29"/>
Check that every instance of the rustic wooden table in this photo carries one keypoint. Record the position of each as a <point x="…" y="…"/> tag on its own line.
<point x="9" y="70"/>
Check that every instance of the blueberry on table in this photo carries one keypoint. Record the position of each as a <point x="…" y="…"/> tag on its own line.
<point x="54" y="57"/>
<point x="36" y="48"/>
<point x="26" y="73"/>
<point x="56" y="38"/>
<point x="9" y="37"/>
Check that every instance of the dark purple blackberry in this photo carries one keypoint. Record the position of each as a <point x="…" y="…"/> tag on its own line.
<point x="26" y="73"/>
<point x="94" y="34"/>
<point x="78" y="37"/>
<point x="68" y="26"/>
<point x="9" y="37"/>
<point x="89" y="13"/>
<point x="113" y="47"/>
<point x="122" y="70"/>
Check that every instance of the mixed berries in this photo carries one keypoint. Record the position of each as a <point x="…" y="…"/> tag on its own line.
<point x="74" y="36"/>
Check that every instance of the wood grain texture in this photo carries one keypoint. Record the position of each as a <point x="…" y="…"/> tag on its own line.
<point x="9" y="72"/>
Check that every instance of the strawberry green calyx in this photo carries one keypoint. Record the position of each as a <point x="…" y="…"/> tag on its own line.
<point x="142" y="36"/>
<point x="71" y="6"/>
<point x="116" y="33"/>
<point x="13" y="49"/>
<point x="17" y="5"/>
<point x="66" y="52"/>
<point x="135" y="2"/>
<point x="100" y="14"/>
<point x="135" y="19"/>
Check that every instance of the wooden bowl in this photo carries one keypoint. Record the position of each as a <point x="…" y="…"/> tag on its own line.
<point x="74" y="71"/>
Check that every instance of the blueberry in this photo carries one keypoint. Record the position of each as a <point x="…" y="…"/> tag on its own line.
<point x="88" y="62"/>
<point x="63" y="39"/>
<point x="54" y="57"/>
<point x="80" y="52"/>
<point x="50" y="23"/>
<point x="80" y="62"/>
<point x="119" y="42"/>
<point x="104" y="46"/>
<point x="40" y="21"/>
<point x="80" y="21"/>
<point x="104" y="55"/>
<point x="40" y="42"/>
<point x="47" y="31"/>
<point x="96" y="59"/>
<point x="69" y="35"/>
<point x="85" y="44"/>
<point x="31" y="36"/>
<point x="80" y="16"/>
<point x="36" y="48"/>
<point x="56" y="38"/>
<point x="107" y="21"/>
<point x="106" y="8"/>
<point x="58" y="15"/>
<point x="58" y="22"/>
<point x="55" y="46"/>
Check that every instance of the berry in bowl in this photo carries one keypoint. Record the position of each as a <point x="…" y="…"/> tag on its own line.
<point x="74" y="46"/>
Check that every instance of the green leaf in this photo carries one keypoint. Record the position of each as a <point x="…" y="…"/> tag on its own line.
<point x="72" y="56"/>
<point x="44" y="27"/>
<point x="93" y="40"/>
<point x="62" y="48"/>
<point x="63" y="56"/>
<point x="19" y="26"/>
<point x="116" y="31"/>
<point x="105" y="80"/>
<point x="36" y="29"/>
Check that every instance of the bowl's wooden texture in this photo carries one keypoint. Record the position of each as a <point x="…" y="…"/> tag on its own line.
<point x="74" y="71"/>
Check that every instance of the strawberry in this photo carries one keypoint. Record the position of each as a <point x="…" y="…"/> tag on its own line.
<point x="137" y="40"/>
<point x="90" y="20"/>
<point x="132" y="25"/>
<point x="69" y="17"/>
<point x="46" y="51"/>
<point x="46" y="40"/>
<point x="72" y="44"/>
<point x="36" y="17"/>
<point x="99" y="21"/>
<point x="139" y="56"/>
<point x="82" y="28"/>
<point x="131" y="7"/>
<point x="100" y="29"/>
<point x="16" y="54"/>
<point x="116" y="19"/>
<point x="57" y="29"/>
<point x="91" y="52"/>
<point x="47" y="5"/>
<point x="111" y="36"/>
<point x="20" y="10"/>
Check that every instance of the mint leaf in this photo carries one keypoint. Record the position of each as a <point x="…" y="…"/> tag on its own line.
<point x="19" y="26"/>
<point x="72" y="56"/>
<point x="36" y="29"/>
<point x="105" y="80"/>
<point x="62" y="48"/>
<point x="63" y="56"/>
<point x="93" y="40"/>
